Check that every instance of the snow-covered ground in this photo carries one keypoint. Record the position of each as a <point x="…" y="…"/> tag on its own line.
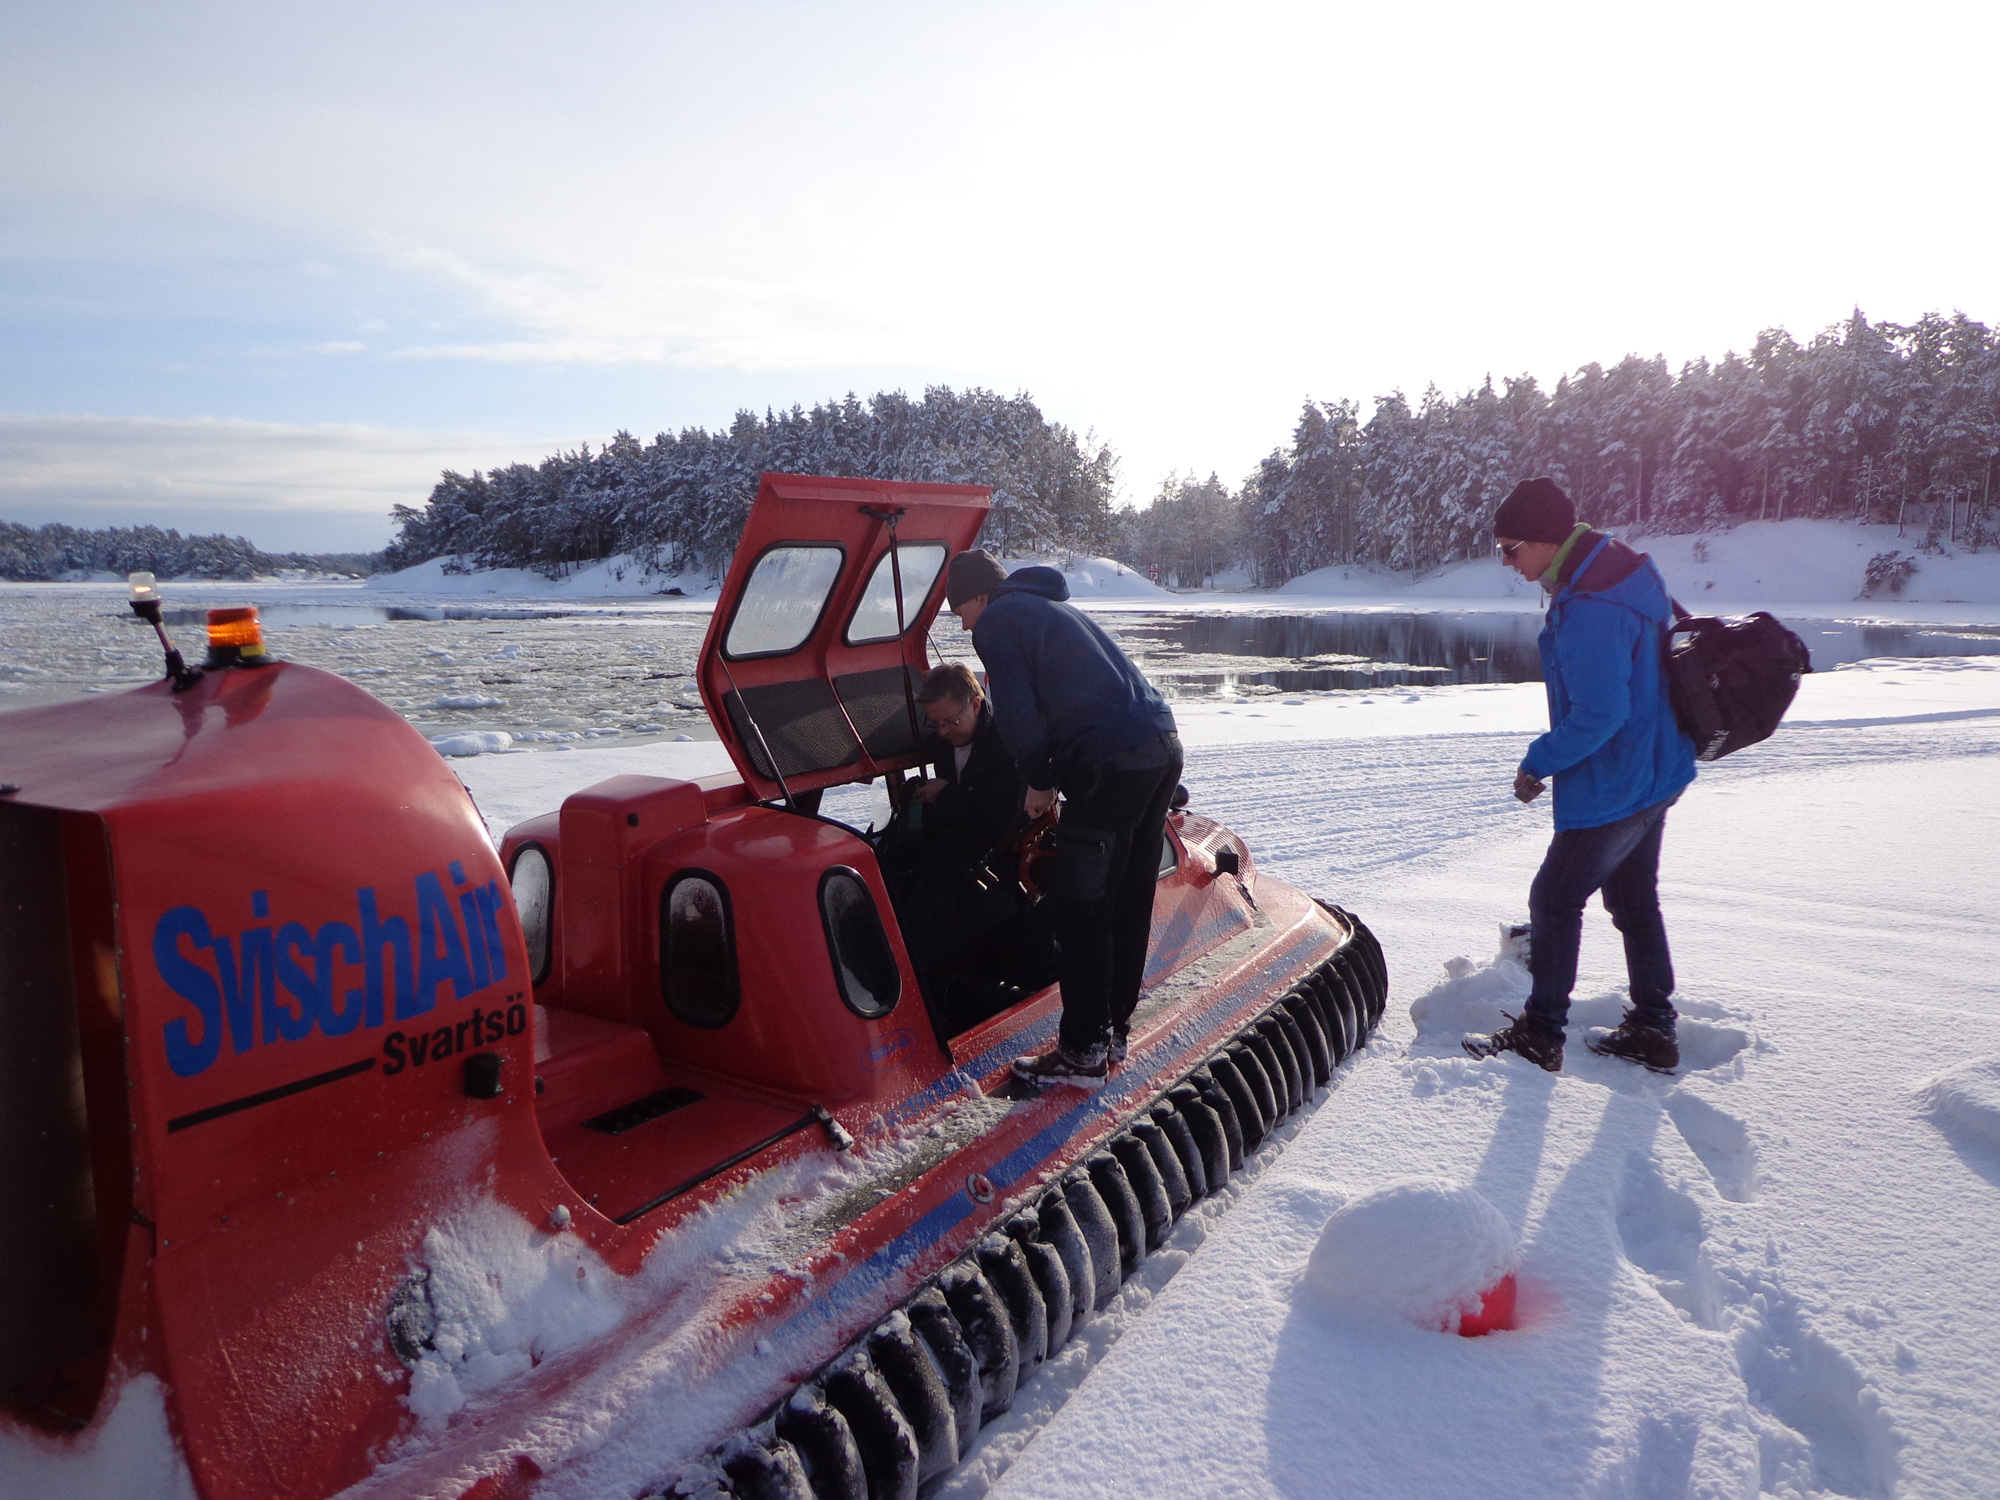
<point x="1772" y="1274"/>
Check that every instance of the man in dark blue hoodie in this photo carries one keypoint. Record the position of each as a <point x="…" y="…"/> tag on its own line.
<point x="1081" y="720"/>
<point x="1619" y="760"/>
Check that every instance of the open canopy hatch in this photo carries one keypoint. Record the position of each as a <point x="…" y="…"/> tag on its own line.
<point x="816" y="648"/>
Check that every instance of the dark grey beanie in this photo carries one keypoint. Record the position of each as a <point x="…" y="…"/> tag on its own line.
<point x="1537" y="511"/>
<point x="972" y="574"/>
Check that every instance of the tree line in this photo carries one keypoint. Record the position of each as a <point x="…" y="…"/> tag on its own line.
<point x="679" y="502"/>
<point x="31" y="554"/>
<point x="1868" y="422"/>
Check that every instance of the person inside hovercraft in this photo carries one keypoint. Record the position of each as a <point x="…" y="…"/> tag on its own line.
<point x="974" y="799"/>
<point x="966" y="919"/>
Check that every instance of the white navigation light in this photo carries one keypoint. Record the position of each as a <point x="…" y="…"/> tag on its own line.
<point x="144" y="590"/>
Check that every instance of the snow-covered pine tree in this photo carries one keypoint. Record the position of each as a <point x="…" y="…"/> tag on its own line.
<point x="680" y="500"/>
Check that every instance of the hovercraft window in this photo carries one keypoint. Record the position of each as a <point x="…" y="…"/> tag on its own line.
<point x="863" y="965"/>
<point x="782" y="601"/>
<point x="698" y="950"/>
<point x="1170" y="856"/>
<point x="875" y="616"/>
<point x="533" y="885"/>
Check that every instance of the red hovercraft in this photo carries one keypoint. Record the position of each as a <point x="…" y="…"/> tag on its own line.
<point x="269" y="1008"/>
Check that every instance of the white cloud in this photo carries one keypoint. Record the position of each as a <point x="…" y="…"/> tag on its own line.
<point x="333" y="347"/>
<point x="271" y="481"/>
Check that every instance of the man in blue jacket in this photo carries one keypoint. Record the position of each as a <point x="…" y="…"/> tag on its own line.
<point x="1619" y="761"/>
<point x="1079" y="719"/>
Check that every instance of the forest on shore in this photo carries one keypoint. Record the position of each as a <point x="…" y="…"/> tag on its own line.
<point x="35" y="554"/>
<point x="1866" y="421"/>
<point x="678" y="503"/>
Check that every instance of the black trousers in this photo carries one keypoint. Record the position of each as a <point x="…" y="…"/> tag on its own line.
<point x="1107" y="864"/>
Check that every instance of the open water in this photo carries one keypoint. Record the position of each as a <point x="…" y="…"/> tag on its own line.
<point x="1199" y="655"/>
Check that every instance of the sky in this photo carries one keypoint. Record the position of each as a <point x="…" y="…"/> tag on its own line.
<point x="268" y="269"/>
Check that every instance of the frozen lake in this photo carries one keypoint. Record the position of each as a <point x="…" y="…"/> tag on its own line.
<point x="282" y="614"/>
<point x="574" y="673"/>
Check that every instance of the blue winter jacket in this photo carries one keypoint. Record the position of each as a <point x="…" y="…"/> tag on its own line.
<point x="1064" y="695"/>
<point x="1614" y="746"/>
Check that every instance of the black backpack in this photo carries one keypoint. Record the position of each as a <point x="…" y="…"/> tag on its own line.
<point x="1731" y="680"/>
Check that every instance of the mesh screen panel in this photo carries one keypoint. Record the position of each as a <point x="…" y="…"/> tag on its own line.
<point x="801" y="720"/>
<point x="876" y="703"/>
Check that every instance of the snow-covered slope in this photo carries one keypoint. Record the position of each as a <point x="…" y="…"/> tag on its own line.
<point x="1757" y="565"/>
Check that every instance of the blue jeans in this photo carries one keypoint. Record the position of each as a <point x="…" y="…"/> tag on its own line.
<point x="1622" y="860"/>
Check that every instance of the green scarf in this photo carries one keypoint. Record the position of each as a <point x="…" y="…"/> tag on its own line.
<point x="1555" y="566"/>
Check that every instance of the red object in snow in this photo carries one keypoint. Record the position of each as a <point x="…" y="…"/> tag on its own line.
<point x="1495" y="1313"/>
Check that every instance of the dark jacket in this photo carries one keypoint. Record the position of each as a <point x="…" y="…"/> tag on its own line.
<point x="1613" y="745"/>
<point x="1065" y="696"/>
<point x="979" y="805"/>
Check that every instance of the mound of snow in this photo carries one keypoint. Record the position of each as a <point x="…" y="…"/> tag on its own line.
<point x="1969" y="1096"/>
<point x="473" y="742"/>
<point x="1470" y="997"/>
<point x="1094" y="578"/>
<point x="1423" y="1249"/>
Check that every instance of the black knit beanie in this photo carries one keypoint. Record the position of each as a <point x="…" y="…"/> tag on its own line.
<point x="972" y="574"/>
<point x="1537" y="511"/>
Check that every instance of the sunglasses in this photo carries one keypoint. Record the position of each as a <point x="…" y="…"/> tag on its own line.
<point x="1508" y="549"/>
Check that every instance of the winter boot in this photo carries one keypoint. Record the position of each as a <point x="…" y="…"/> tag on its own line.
<point x="1640" y="1042"/>
<point x="1084" y="1070"/>
<point x="1541" y="1049"/>
<point x="1120" y="1045"/>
